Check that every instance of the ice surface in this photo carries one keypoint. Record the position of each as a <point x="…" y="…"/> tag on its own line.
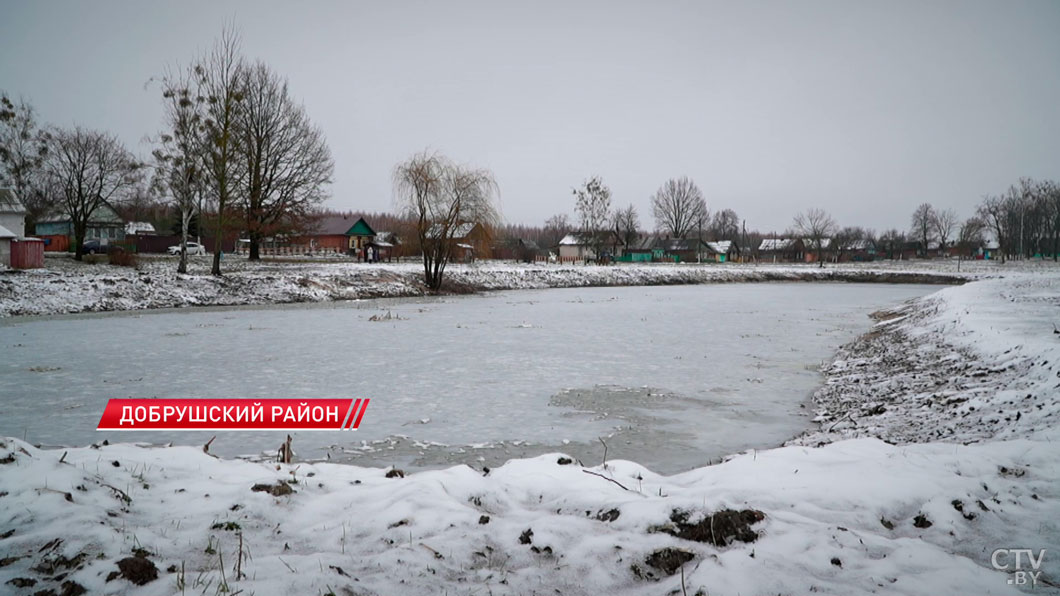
<point x="673" y="377"/>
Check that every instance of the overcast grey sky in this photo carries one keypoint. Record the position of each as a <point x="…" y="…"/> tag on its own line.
<point x="865" y="109"/>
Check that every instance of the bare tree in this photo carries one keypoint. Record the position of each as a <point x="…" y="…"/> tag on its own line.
<point x="969" y="238"/>
<point x="945" y="221"/>
<point x="678" y="206"/>
<point x="847" y="239"/>
<point x="1051" y="196"/>
<point x="556" y="227"/>
<point x="890" y="241"/>
<point x="593" y="203"/>
<point x="220" y="90"/>
<point x="626" y="225"/>
<point x="87" y="169"/>
<point x="23" y="147"/>
<point x="922" y="226"/>
<point x="286" y="159"/>
<point x="993" y="214"/>
<point x="179" y="173"/>
<point x="440" y="196"/>
<point x="816" y="226"/>
<point x="725" y="226"/>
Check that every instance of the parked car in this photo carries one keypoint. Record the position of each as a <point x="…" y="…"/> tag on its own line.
<point x="194" y="248"/>
<point x="91" y="247"/>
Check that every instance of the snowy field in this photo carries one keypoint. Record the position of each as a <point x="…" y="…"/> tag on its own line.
<point x="673" y="377"/>
<point x="66" y="286"/>
<point x="937" y="447"/>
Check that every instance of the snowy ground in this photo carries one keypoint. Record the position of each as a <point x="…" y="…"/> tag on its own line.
<point x="66" y="286"/>
<point x="856" y="516"/>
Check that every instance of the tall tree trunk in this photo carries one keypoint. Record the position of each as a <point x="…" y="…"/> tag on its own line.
<point x="185" y="220"/>
<point x="79" y="241"/>
<point x="255" y="248"/>
<point x="218" y="235"/>
<point x="216" y="269"/>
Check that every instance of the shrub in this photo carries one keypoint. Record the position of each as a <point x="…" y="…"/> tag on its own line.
<point x="123" y="259"/>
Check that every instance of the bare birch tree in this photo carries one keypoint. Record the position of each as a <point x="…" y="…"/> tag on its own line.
<point x="179" y="174"/>
<point x="678" y="206"/>
<point x="87" y="169"/>
<point x="220" y="90"/>
<point x="438" y="196"/>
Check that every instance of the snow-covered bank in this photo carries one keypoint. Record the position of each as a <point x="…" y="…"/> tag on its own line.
<point x="965" y="364"/>
<point x="67" y="286"/>
<point x="849" y="518"/>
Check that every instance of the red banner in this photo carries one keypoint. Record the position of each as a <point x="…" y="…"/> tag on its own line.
<point x="233" y="414"/>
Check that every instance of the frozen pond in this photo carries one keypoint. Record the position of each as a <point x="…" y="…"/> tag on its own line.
<point x="671" y="377"/>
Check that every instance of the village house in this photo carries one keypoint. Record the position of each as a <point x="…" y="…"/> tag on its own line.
<point x="57" y="229"/>
<point x="581" y="247"/>
<point x="360" y="239"/>
<point x="781" y="250"/>
<point x="389" y="246"/>
<point x="684" y="250"/>
<point x="140" y="228"/>
<point x="810" y="250"/>
<point x="16" y="250"/>
<point x="721" y="251"/>
<point x="469" y="241"/>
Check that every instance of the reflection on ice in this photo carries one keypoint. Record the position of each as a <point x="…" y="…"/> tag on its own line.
<point x="672" y="377"/>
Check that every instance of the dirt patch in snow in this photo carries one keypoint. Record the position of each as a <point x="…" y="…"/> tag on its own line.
<point x="720" y="529"/>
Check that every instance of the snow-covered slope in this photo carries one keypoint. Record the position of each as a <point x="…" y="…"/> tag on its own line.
<point x="66" y="286"/>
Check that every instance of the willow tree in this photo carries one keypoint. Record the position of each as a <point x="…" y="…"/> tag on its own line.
<point x="439" y="197"/>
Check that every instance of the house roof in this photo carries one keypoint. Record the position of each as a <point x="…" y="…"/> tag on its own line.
<point x="722" y="247"/>
<point x="332" y="225"/>
<point x="104" y="214"/>
<point x="680" y="243"/>
<point x="9" y="203"/>
<point x="457" y="232"/>
<point x="361" y="228"/>
<point x="581" y="239"/>
<point x="772" y="244"/>
<point x="6" y="233"/>
<point x="809" y="243"/>
<point x="135" y="227"/>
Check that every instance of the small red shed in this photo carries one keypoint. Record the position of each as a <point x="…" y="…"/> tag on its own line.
<point x="27" y="253"/>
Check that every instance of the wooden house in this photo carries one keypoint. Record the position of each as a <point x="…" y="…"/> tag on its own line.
<point x="360" y="241"/>
<point x="781" y="250"/>
<point x="578" y="246"/>
<point x="810" y="251"/>
<point x="469" y="241"/>
<point x="57" y="229"/>
<point x="721" y="251"/>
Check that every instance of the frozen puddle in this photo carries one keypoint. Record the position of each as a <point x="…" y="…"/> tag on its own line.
<point x="671" y="377"/>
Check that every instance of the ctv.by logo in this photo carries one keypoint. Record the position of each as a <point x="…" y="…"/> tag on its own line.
<point x="1024" y="566"/>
